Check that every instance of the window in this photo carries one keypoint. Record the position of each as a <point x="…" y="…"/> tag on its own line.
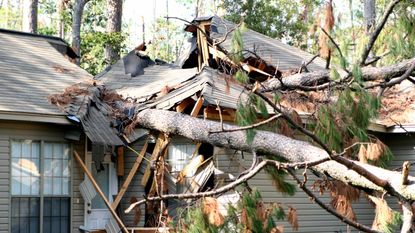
<point x="179" y="156"/>
<point x="40" y="187"/>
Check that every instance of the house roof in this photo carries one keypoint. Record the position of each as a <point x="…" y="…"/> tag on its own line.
<point x="141" y="82"/>
<point x="273" y="51"/>
<point x="31" y="68"/>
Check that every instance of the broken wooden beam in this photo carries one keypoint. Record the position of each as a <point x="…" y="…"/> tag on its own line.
<point x="99" y="191"/>
<point x="212" y="113"/>
<point x="130" y="176"/>
<point x="184" y="104"/>
<point x="160" y="143"/>
<point x="197" y="107"/>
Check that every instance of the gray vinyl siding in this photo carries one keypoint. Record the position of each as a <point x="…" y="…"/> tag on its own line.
<point x="311" y="217"/>
<point x="15" y="130"/>
<point x="78" y="206"/>
<point x="135" y="189"/>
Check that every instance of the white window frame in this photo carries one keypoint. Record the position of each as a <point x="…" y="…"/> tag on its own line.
<point x="41" y="195"/>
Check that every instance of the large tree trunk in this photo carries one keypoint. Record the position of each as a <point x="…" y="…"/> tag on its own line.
<point x="29" y="23"/>
<point x="113" y="25"/>
<point x="60" y="7"/>
<point x="270" y="143"/>
<point x="76" y="26"/>
<point x="369" y="14"/>
<point x="320" y="77"/>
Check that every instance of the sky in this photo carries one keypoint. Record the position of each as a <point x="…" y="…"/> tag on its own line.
<point x="134" y="11"/>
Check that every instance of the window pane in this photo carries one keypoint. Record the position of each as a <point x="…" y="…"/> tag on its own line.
<point x="57" y="150"/>
<point x="65" y="186"/>
<point x="47" y="225"/>
<point x="16" y="149"/>
<point x="64" y="225"/>
<point x="57" y="220"/>
<point x="65" y="206"/>
<point x="56" y="207"/>
<point x="65" y="151"/>
<point x="25" y="214"/>
<point x="34" y="225"/>
<point x="57" y="167"/>
<point x="15" y="207"/>
<point x="25" y="185"/>
<point x="16" y="170"/>
<point x="35" y="185"/>
<point x="35" y="149"/>
<point x="57" y="186"/>
<point x="47" y="206"/>
<point x="24" y="225"/>
<point x="47" y="150"/>
<point x="26" y="150"/>
<point x="34" y="207"/>
<point x="47" y="184"/>
<point x="47" y="167"/>
<point x="65" y="167"/>
<point x="16" y="181"/>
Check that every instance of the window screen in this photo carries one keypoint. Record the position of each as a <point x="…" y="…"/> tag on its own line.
<point x="25" y="214"/>
<point x="56" y="214"/>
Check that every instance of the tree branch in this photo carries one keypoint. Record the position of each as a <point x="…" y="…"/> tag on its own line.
<point x="319" y="80"/>
<point x="329" y="209"/>
<point x="249" y="126"/>
<point x="244" y="178"/>
<point x="268" y="143"/>
<point x="377" y="31"/>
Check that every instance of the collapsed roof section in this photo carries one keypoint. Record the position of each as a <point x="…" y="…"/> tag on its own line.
<point x="88" y="104"/>
<point x="281" y="56"/>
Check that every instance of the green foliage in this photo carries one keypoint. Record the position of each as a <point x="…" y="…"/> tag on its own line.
<point x="242" y="77"/>
<point x="248" y="112"/>
<point x="348" y="118"/>
<point x="237" y="46"/>
<point x="278" y="178"/>
<point x="92" y="47"/>
<point x="394" y="225"/>
<point x="250" y="214"/>
<point x="276" y="18"/>
<point x="167" y="40"/>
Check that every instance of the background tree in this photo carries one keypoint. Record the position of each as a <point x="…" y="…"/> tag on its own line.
<point x="280" y="19"/>
<point x="78" y="11"/>
<point x="114" y="8"/>
<point x="30" y="16"/>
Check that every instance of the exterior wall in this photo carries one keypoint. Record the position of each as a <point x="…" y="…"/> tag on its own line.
<point x="78" y="206"/>
<point x="17" y="130"/>
<point x="311" y="217"/>
<point x="135" y="189"/>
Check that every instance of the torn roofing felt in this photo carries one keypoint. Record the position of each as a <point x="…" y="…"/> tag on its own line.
<point x="82" y="103"/>
<point x="282" y="56"/>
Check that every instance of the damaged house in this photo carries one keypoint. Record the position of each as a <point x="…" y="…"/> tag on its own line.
<point x="114" y="160"/>
<point x="39" y="180"/>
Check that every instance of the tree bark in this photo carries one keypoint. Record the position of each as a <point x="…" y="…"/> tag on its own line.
<point x="369" y="14"/>
<point x="29" y="23"/>
<point x="270" y="143"/>
<point x="113" y="25"/>
<point x="60" y="7"/>
<point x="310" y="79"/>
<point x="76" y="27"/>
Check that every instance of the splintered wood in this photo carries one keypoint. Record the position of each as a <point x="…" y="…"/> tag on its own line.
<point x="161" y="143"/>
